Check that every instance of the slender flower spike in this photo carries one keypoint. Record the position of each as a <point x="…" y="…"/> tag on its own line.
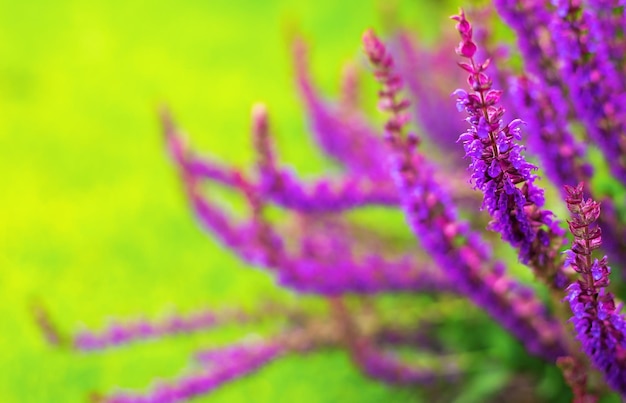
<point x="344" y="137"/>
<point x="596" y="86"/>
<point x="389" y="368"/>
<point x="598" y="323"/>
<point x="119" y="334"/>
<point x="324" y="195"/>
<point x="562" y="157"/>
<point x="431" y="98"/>
<point x="220" y="366"/>
<point x="498" y="168"/>
<point x="531" y="22"/>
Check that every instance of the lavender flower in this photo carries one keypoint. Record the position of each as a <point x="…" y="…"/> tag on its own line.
<point x="531" y="22"/>
<point x="305" y="273"/>
<point x="431" y="99"/>
<point x="595" y="85"/>
<point x="501" y="172"/>
<point x="282" y="186"/>
<point x="598" y="323"/>
<point x="219" y="367"/>
<point x="606" y="29"/>
<point x="348" y="139"/>
<point x="562" y="156"/>
<point x="257" y="242"/>
<point x="118" y="334"/>
<point x="353" y="190"/>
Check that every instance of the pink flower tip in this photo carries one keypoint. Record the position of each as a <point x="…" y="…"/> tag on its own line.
<point x="259" y="118"/>
<point x="373" y="46"/>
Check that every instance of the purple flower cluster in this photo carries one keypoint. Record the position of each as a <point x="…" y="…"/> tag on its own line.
<point x="568" y="98"/>
<point x="596" y="86"/>
<point x="118" y="334"/>
<point x="218" y="367"/>
<point x="573" y="59"/>
<point x="599" y="325"/>
<point x="390" y="369"/>
<point x="500" y="170"/>
<point x="258" y="242"/>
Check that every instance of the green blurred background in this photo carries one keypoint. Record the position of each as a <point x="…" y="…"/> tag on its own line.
<point x="94" y="222"/>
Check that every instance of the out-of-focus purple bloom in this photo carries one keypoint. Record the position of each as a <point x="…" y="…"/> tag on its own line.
<point x="118" y="333"/>
<point x="530" y="19"/>
<point x="311" y="274"/>
<point x="347" y="138"/>
<point x="595" y="86"/>
<point x="563" y="158"/>
<point x="282" y="187"/>
<point x="258" y="243"/>
<point x="219" y="367"/>
<point x="431" y="97"/>
<point x="388" y="367"/>
<point x="607" y="32"/>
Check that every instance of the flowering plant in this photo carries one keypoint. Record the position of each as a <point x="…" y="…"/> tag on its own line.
<point x="565" y="106"/>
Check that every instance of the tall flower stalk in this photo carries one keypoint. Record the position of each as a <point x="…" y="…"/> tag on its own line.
<point x="598" y="322"/>
<point x="500" y="170"/>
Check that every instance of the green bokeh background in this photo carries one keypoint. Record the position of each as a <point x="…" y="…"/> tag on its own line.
<point x="93" y="220"/>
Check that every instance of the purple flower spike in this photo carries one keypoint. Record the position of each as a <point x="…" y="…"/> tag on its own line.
<point x="281" y="186"/>
<point x="595" y="85"/>
<point x="530" y="19"/>
<point x="118" y="334"/>
<point x="224" y="365"/>
<point x="259" y="244"/>
<point x="431" y="97"/>
<point x="607" y="32"/>
<point x="562" y="156"/>
<point x="499" y="169"/>
<point x="347" y="138"/>
<point x="598" y="323"/>
<point x="387" y="367"/>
